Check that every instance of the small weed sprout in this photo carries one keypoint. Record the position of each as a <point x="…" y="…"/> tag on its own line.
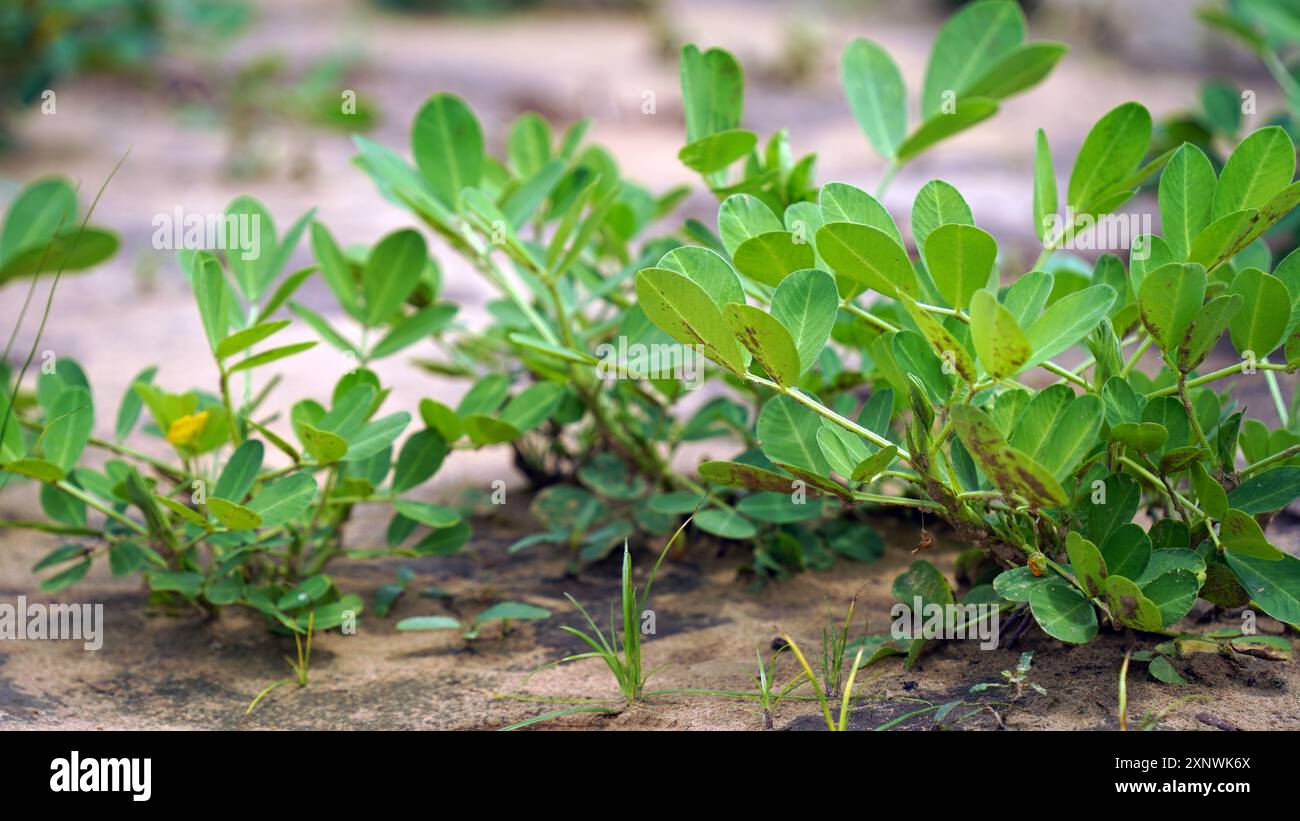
<point x="301" y="668"/>
<point x="1017" y="679"/>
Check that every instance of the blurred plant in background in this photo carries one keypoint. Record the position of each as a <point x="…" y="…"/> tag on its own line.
<point x="43" y="42"/>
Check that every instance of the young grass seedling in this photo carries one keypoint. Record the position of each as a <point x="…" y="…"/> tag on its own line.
<point x="300" y="668"/>
<point x="822" y="690"/>
<point x="769" y="699"/>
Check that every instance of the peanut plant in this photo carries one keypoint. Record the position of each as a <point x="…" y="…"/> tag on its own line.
<point x="1048" y="481"/>
<point x="216" y="523"/>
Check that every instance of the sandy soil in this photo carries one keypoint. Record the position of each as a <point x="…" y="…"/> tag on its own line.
<point x="186" y="671"/>
<point x="180" y="671"/>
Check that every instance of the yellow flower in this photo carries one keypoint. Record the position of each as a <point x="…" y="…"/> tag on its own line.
<point x="186" y="429"/>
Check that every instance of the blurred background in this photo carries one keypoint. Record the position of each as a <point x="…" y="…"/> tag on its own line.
<point x="217" y="98"/>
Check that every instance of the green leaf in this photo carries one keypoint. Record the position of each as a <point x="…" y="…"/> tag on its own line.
<point x="725" y="523"/>
<point x="969" y="111"/>
<point x="284" y="499"/>
<point x="843" y="450"/>
<point x="1259" y="168"/>
<point x="684" y="311"/>
<point x="419" y="459"/>
<point x="529" y="143"/>
<point x="1262" y="320"/>
<point x="923" y="580"/>
<point x="240" y="472"/>
<point x="1268" y="491"/>
<point x="420" y="623"/>
<point x="435" y="516"/>
<point x="1274" y="586"/>
<point x="61" y="507"/>
<point x="533" y="405"/>
<point x="1063" y="612"/>
<point x="488" y="430"/>
<point x="806" y="303"/>
<point x="787" y="432"/>
<point x="1088" y="564"/>
<point x="1057" y="428"/>
<point x="393" y="271"/>
<point x="375" y="436"/>
<point x="937" y="203"/>
<point x="1173" y="594"/>
<point x="447" y="142"/>
<point x="128" y="410"/>
<point x="1130" y="607"/>
<point x="778" y="508"/>
<point x="841" y="202"/>
<point x="999" y="342"/>
<point x="874" y="88"/>
<point x="1169" y="301"/>
<point x="322" y="327"/>
<point x="1110" y="154"/>
<point x="514" y="611"/>
<point x="70" y="420"/>
<point x="708" y="270"/>
<point x="1209" y="493"/>
<point x="66" y="578"/>
<point x="247" y="338"/>
<point x="412" y="329"/>
<point x="767" y="339"/>
<point x="1018" y="583"/>
<point x="1241" y="534"/>
<point x="742" y="217"/>
<point x="869" y="467"/>
<point x="739" y="474"/>
<point x="769" y="257"/>
<point x="868" y="256"/>
<point x="951" y="350"/>
<point x="1186" y="198"/>
<point x="325" y="447"/>
<point x="1207" y="329"/>
<point x="187" y="513"/>
<point x="267" y="357"/>
<point x="1019" y="69"/>
<point x="42" y="209"/>
<point x="1045" y="202"/>
<point x="1067" y="321"/>
<point x="713" y="91"/>
<point x="717" y="151"/>
<point x="38" y="469"/>
<point x="1127" y="550"/>
<point x="233" y="516"/>
<point x="1161" y="670"/>
<point x="967" y="49"/>
<point x="959" y="258"/>
<point x="352" y="405"/>
<point x="1007" y="468"/>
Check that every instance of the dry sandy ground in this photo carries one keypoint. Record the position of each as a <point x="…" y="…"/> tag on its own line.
<point x="186" y="671"/>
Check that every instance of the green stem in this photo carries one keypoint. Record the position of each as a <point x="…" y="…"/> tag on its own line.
<point x="822" y="410"/>
<point x="1191" y="412"/>
<point x="1173" y="495"/>
<point x="1283" y="417"/>
<point x="231" y="421"/>
<point x="860" y="312"/>
<point x="901" y="501"/>
<point x="1137" y="355"/>
<point x="1068" y="376"/>
<point x="90" y="501"/>
<point x="1214" y="375"/>
<point x="1280" y="456"/>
